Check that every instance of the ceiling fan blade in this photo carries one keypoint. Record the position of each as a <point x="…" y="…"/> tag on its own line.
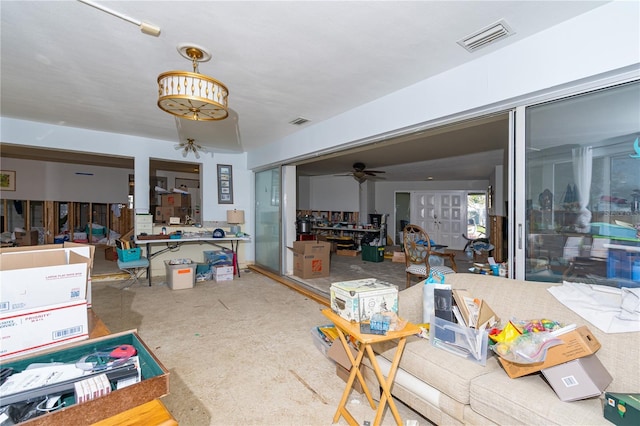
<point x="375" y="171"/>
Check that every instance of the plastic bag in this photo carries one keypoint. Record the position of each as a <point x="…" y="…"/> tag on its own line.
<point x="435" y="279"/>
<point x="527" y="348"/>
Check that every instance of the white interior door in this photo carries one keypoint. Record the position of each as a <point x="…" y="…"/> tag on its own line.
<point x="442" y="214"/>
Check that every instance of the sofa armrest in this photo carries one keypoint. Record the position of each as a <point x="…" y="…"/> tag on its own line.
<point x="410" y="303"/>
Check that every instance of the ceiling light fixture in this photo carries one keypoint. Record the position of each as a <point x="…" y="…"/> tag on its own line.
<point x="192" y="95"/>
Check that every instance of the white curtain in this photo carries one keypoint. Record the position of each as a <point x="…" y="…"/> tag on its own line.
<point x="582" y="168"/>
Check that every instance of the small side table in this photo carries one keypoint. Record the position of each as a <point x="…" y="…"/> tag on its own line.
<point x="345" y="327"/>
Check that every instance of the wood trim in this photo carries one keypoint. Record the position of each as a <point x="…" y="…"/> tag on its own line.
<point x="291" y="284"/>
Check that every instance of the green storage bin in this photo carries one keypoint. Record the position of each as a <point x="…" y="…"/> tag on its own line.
<point x="373" y="253"/>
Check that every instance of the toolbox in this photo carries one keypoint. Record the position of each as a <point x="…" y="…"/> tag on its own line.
<point x="154" y="383"/>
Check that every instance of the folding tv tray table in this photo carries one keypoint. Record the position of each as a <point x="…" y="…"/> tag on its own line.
<point x="344" y="328"/>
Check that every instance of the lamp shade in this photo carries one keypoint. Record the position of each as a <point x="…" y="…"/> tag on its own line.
<point x="235" y="216"/>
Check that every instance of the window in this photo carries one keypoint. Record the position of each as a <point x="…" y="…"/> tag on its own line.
<point x="583" y="187"/>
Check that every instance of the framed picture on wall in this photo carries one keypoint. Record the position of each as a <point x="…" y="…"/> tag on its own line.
<point x="7" y="180"/>
<point x="225" y="184"/>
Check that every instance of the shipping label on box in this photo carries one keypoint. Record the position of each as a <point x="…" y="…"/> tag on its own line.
<point x="358" y="300"/>
<point x="576" y="344"/>
<point x="30" y="330"/>
<point x="224" y="277"/>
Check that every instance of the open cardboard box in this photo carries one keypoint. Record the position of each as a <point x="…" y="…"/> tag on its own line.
<point x="576" y="344"/>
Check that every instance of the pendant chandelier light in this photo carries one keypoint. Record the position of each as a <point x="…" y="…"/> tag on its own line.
<point x="192" y="95"/>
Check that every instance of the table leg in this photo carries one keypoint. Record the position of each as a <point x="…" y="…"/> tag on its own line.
<point x="149" y="267"/>
<point x="235" y="256"/>
<point x="355" y="372"/>
<point x="386" y="397"/>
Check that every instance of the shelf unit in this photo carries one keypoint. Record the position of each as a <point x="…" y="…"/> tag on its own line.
<point x="331" y="216"/>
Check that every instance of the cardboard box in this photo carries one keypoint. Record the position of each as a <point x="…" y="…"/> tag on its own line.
<point x="29" y="330"/>
<point x="180" y="276"/>
<point x="165" y="213"/>
<point x="175" y="200"/>
<point x="337" y="353"/>
<point x="29" y="238"/>
<point x="154" y="384"/>
<point x="311" y="259"/>
<point x="622" y="409"/>
<point x="33" y="277"/>
<point x="350" y="253"/>
<point x="578" y="379"/>
<point x="343" y="373"/>
<point x="111" y="254"/>
<point x="398" y="257"/>
<point x="222" y="273"/>
<point x="577" y="343"/>
<point x="358" y="300"/>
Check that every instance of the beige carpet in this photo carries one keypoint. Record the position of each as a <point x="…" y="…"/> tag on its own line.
<point x="238" y="352"/>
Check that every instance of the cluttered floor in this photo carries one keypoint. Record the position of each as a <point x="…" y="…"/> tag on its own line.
<point x="239" y="352"/>
<point x="343" y="268"/>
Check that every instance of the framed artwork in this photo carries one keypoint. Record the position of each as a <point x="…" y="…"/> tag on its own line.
<point x="225" y="184"/>
<point x="7" y="180"/>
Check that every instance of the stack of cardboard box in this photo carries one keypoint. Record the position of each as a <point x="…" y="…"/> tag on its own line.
<point x="44" y="292"/>
<point x="173" y="205"/>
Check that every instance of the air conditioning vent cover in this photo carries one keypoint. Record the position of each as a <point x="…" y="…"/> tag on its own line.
<point x="486" y="36"/>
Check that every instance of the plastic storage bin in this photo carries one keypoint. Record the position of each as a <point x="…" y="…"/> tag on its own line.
<point x="465" y="342"/>
<point x="127" y="255"/>
<point x="182" y="275"/>
<point x="373" y="253"/>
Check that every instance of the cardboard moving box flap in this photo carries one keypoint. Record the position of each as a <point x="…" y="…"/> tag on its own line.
<point x="32" y="259"/>
<point x="310" y="247"/>
<point x="577" y="343"/>
<point x="85" y="250"/>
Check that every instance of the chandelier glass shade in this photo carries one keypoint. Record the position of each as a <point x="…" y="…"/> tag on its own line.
<point x="192" y="95"/>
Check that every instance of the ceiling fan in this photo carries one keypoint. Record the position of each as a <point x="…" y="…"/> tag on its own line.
<point x="190" y="146"/>
<point x="360" y="173"/>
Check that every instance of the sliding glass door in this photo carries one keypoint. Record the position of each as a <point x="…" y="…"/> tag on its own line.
<point x="582" y="188"/>
<point x="268" y="224"/>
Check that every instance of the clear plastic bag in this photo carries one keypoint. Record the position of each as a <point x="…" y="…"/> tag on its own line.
<point x="527" y="348"/>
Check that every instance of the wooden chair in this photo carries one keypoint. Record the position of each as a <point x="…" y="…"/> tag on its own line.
<point x="417" y="251"/>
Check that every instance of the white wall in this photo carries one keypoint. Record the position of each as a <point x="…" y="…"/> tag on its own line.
<point x="43" y="135"/>
<point x="584" y="49"/>
<point x="335" y="193"/>
<point x="47" y="181"/>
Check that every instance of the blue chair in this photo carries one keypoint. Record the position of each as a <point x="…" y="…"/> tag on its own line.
<point x="135" y="268"/>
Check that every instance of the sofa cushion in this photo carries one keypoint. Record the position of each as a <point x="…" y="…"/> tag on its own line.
<point x="529" y="400"/>
<point x="440" y="369"/>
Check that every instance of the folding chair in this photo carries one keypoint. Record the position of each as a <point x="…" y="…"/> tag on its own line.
<point x="135" y="268"/>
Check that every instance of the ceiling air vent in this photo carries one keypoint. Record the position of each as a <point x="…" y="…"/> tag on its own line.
<point x="485" y="36"/>
<point x="299" y="121"/>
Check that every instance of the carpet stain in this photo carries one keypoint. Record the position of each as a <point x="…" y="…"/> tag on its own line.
<point x="313" y="391"/>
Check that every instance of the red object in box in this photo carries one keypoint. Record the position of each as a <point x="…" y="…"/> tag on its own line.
<point x="306" y="237"/>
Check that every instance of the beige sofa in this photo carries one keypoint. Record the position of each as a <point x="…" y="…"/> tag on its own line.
<point x="448" y="389"/>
